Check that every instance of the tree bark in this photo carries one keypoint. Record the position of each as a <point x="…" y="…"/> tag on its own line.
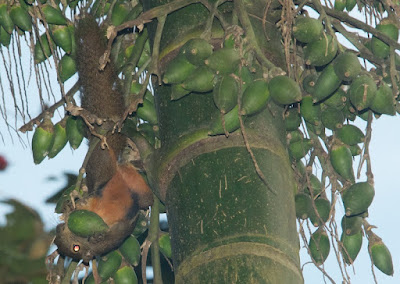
<point x="226" y="226"/>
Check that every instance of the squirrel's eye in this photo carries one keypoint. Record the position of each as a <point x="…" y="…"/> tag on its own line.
<point x="76" y="248"/>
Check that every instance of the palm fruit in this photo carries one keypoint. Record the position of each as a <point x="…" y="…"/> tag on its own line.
<point x="303" y="205"/>
<point x="147" y="112"/>
<point x="224" y="60"/>
<point x="225" y="93"/>
<point x="246" y="77"/>
<point x="75" y="131"/>
<point x="381" y="256"/>
<point x="350" y="134"/>
<point x="307" y="29"/>
<point x="339" y="5"/>
<point x="320" y="52"/>
<point x="64" y="199"/>
<point x="119" y="13"/>
<point x="130" y="250"/>
<point x="231" y="122"/>
<point x="351" y="225"/>
<point x="378" y="47"/>
<point x="5" y="19"/>
<point x="141" y="225"/>
<point x="323" y="207"/>
<point x="383" y="102"/>
<point x="309" y="82"/>
<point x="53" y="16"/>
<point x="255" y="97"/>
<point x="346" y="65"/>
<point x="100" y="8"/>
<point x="62" y="37"/>
<point x="148" y="132"/>
<point x="337" y="100"/>
<point x="197" y="50"/>
<point x="351" y="246"/>
<point x="294" y="136"/>
<point x="164" y="243"/>
<point x="299" y="149"/>
<point x="315" y="186"/>
<point x="357" y="198"/>
<point x="316" y="129"/>
<point x="201" y="80"/>
<point x="355" y="150"/>
<point x="73" y="42"/>
<point x="178" y="70"/>
<point x="60" y="138"/>
<point x="5" y="37"/>
<point x="284" y="90"/>
<point x="350" y="4"/>
<point x="177" y="92"/>
<point x="292" y="119"/>
<point x="42" y="49"/>
<point x="362" y="92"/>
<point x="109" y="264"/>
<point x="125" y="275"/>
<point x="332" y="118"/>
<point x="310" y="112"/>
<point x="319" y="246"/>
<point x="21" y="18"/>
<point x="342" y="161"/>
<point x="327" y="84"/>
<point x="66" y="67"/>
<point x="42" y="140"/>
<point x="86" y="223"/>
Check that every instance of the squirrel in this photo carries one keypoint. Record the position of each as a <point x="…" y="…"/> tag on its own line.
<point x="116" y="190"/>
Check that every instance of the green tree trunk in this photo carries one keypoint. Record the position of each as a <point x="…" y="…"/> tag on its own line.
<point x="226" y="226"/>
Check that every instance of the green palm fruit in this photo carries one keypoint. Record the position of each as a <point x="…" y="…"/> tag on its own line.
<point x="164" y="243"/>
<point x="255" y="97"/>
<point x="337" y="100"/>
<point x="381" y="256"/>
<point x="357" y="198"/>
<point x="178" y="70"/>
<point x="119" y="13"/>
<point x="177" y="92"/>
<point x="225" y="93"/>
<point x="350" y="4"/>
<point x="231" y="122"/>
<point x="5" y="19"/>
<point x="141" y="225"/>
<point x="349" y="111"/>
<point x="307" y="29"/>
<point x="319" y="246"/>
<point x="5" y="37"/>
<point x="130" y="250"/>
<point x="315" y="186"/>
<point x="42" y="49"/>
<point x="86" y="223"/>
<point x="323" y="207"/>
<point x="342" y="161"/>
<point x="284" y="90"/>
<point x="109" y="264"/>
<point x="327" y="84"/>
<point x="21" y="18"/>
<point x="303" y="205"/>
<point x="320" y="52"/>
<point x="66" y="67"/>
<point x="135" y="89"/>
<point x="60" y="138"/>
<point x="351" y="225"/>
<point x="309" y="82"/>
<point x="62" y="37"/>
<point x="383" y="102"/>
<point x="350" y="134"/>
<point x="53" y="16"/>
<point x="362" y="92"/>
<point x="197" y="50"/>
<point x="148" y="131"/>
<point x="224" y="60"/>
<point x="42" y="140"/>
<point x="300" y="167"/>
<point x="295" y="135"/>
<point x="364" y="114"/>
<point x="351" y="246"/>
<point x="379" y="48"/>
<point x="64" y="199"/>
<point x="292" y="119"/>
<point x="75" y="131"/>
<point x="316" y="129"/>
<point x="125" y="275"/>
<point x="355" y="150"/>
<point x="201" y="80"/>
<point x="347" y="66"/>
<point x="100" y="8"/>
<point x="246" y="76"/>
<point x="299" y="149"/>
<point x="340" y="5"/>
<point x="147" y="112"/>
<point x="332" y="118"/>
<point x="311" y="112"/>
